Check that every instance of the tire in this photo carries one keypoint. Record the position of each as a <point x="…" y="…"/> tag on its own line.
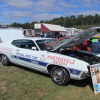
<point x="60" y="76"/>
<point x="5" y="61"/>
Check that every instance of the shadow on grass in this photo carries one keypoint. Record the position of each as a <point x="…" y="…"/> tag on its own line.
<point x="78" y="83"/>
<point x="32" y="70"/>
<point x="82" y="83"/>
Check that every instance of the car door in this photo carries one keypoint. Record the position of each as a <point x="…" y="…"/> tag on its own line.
<point x="25" y="56"/>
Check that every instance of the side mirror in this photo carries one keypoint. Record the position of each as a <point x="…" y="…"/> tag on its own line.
<point x="34" y="48"/>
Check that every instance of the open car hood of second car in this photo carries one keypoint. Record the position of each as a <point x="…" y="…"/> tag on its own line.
<point x="79" y="38"/>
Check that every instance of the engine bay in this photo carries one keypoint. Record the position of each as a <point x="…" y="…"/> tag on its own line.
<point x="82" y="55"/>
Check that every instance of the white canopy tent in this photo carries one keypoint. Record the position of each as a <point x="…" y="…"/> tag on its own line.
<point x="52" y="28"/>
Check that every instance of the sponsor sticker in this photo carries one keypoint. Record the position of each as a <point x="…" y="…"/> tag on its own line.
<point x="95" y="75"/>
<point x="60" y="60"/>
<point x="6" y="49"/>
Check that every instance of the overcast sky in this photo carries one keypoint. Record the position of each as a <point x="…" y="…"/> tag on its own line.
<point x="22" y="11"/>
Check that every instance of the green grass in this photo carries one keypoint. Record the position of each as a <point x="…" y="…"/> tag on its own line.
<point x="18" y="83"/>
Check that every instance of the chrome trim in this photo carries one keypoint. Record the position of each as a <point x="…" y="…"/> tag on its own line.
<point x="33" y="68"/>
<point x="85" y="74"/>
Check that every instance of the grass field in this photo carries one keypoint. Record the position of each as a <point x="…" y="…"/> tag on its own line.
<point x="18" y="83"/>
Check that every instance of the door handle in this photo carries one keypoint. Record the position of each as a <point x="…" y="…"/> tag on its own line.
<point x="17" y="50"/>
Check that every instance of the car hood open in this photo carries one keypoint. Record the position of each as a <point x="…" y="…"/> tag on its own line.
<point x="79" y="38"/>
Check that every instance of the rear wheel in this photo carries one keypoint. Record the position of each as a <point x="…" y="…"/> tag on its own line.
<point x="5" y="61"/>
<point x="60" y="76"/>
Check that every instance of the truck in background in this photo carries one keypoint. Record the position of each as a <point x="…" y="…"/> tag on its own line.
<point x="10" y="33"/>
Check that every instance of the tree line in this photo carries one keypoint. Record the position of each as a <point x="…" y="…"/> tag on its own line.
<point x="72" y="21"/>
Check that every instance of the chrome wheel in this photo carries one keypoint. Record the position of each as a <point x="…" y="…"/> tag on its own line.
<point x="4" y="59"/>
<point x="58" y="75"/>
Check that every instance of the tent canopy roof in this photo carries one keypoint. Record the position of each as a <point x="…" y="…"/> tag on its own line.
<point x="52" y="28"/>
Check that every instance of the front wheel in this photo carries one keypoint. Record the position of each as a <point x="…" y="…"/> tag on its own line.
<point x="60" y="76"/>
<point x="5" y="61"/>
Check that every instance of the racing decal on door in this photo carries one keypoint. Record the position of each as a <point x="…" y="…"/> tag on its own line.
<point x="6" y="49"/>
<point x="61" y="61"/>
<point x="26" y="55"/>
<point x="42" y="58"/>
<point x="31" y="61"/>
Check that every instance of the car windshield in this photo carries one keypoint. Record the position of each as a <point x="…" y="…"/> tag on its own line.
<point x="47" y="44"/>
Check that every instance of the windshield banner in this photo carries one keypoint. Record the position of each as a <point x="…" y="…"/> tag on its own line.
<point x="95" y="75"/>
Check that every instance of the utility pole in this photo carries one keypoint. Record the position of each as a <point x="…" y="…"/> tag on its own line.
<point x="64" y="21"/>
<point x="86" y="24"/>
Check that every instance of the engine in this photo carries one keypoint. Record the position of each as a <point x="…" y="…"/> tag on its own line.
<point x="82" y="55"/>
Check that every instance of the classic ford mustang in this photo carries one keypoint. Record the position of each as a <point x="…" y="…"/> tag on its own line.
<point x="49" y="56"/>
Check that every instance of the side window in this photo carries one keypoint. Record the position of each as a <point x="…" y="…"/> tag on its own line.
<point x="27" y="44"/>
<point x="16" y="43"/>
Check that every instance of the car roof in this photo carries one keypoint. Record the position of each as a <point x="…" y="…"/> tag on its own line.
<point x="32" y="38"/>
<point x="27" y="38"/>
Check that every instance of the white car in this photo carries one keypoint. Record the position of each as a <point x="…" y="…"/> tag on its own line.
<point x="49" y="56"/>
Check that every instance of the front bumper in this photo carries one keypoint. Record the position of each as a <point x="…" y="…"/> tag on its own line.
<point x="85" y="75"/>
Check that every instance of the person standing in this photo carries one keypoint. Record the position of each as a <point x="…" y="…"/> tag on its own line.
<point x="51" y="34"/>
<point x="45" y="35"/>
<point x="92" y="48"/>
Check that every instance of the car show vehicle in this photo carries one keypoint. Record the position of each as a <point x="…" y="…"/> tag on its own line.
<point x="63" y="39"/>
<point x="47" y="55"/>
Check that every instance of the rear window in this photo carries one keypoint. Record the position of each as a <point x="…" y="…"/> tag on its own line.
<point x="27" y="44"/>
<point x="16" y="43"/>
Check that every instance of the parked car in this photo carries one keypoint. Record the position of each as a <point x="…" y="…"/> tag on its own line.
<point x="63" y="39"/>
<point x="49" y="56"/>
